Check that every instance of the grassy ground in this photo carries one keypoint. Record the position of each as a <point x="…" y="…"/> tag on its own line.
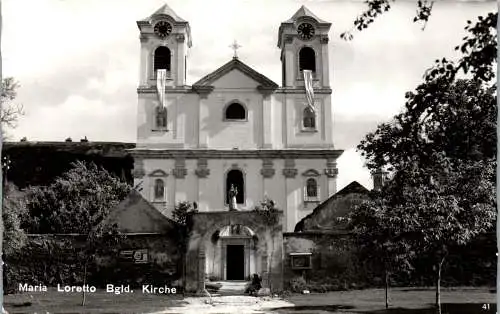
<point x="403" y="301"/>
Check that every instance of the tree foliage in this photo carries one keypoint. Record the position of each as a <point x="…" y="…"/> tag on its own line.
<point x="79" y="202"/>
<point x="14" y="209"/>
<point x="456" y="118"/>
<point x="76" y="202"/>
<point x="479" y="47"/>
<point x="268" y="211"/>
<point x="11" y="111"/>
<point x="441" y="153"/>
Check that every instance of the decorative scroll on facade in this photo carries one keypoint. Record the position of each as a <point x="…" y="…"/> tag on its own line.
<point x="290" y="171"/>
<point x="267" y="170"/>
<point x="202" y="171"/>
<point x="139" y="171"/>
<point x="180" y="171"/>
<point x="331" y="170"/>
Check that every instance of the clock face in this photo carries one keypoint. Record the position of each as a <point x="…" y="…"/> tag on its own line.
<point x="306" y="31"/>
<point x="163" y="29"/>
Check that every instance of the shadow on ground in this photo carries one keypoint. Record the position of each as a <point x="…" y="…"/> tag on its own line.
<point x="102" y="307"/>
<point x="309" y="308"/>
<point x="446" y="308"/>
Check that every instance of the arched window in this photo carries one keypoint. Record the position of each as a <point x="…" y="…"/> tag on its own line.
<point x="307" y="59"/>
<point x="235" y="111"/>
<point x="161" y="117"/>
<point x="235" y="178"/>
<point x="309" y="118"/>
<point x="159" y="189"/>
<point x="311" y="188"/>
<point x="162" y="59"/>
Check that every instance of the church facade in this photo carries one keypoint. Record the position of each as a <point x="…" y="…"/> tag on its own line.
<point x="235" y="128"/>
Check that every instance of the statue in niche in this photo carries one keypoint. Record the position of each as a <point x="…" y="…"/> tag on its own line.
<point x="232" y="197"/>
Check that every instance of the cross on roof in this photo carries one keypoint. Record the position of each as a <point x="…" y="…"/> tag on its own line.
<point x="235" y="47"/>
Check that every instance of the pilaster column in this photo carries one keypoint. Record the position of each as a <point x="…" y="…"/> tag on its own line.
<point x="267" y="173"/>
<point x="202" y="172"/>
<point x="267" y="127"/>
<point x="290" y="213"/>
<point x="324" y="60"/>
<point x="143" y="74"/>
<point x="201" y="270"/>
<point x="139" y="173"/>
<point x="179" y="173"/>
<point x="265" y="271"/>
<point x="203" y="91"/>
<point x="247" y="259"/>
<point x="180" y="38"/>
<point x="331" y="173"/>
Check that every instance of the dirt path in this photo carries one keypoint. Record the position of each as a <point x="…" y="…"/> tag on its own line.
<point x="228" y="304"/>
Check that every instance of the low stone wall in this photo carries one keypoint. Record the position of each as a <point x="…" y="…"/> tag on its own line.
<point x="333" y="262"/>
<point x="336" y="264"/>
<point x="54" y="259"/>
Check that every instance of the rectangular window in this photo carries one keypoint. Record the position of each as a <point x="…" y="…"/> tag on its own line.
<point x="301" y="260"/>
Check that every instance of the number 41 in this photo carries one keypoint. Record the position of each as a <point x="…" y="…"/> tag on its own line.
<point x="486" y="306"/>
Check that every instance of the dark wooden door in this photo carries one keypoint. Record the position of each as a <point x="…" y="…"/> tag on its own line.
<point x="235" y="262"/>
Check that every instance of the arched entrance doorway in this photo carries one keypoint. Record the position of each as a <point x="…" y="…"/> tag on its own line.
<point x="231" y="254"/>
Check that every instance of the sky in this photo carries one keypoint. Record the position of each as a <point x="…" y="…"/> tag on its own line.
<point x="78" y="61"/>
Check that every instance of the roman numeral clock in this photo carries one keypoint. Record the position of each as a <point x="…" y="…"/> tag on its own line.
<point x="306" y="31"/>
<point x="162" y="29"/>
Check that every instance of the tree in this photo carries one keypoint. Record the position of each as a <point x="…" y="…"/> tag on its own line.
<point x="10" y="112"/>
<point x="269" y="212"/>
<point x="440" y="150"/>
<point x="79" y="202"/>
<point x="181" y="215"/>
<point x="14" y="208"/>
<point x="76" y="202"/>
<point x="479" y="48"/>
<point x="377" y="241"/>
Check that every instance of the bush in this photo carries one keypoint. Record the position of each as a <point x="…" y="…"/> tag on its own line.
<point x="298" y="284"/>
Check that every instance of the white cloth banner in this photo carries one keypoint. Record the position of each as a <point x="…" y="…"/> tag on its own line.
<point x="308" y="82"/>
<point x="161" y="81"/>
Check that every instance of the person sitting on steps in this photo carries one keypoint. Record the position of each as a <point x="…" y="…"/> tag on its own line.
<point x="255" y="285"/>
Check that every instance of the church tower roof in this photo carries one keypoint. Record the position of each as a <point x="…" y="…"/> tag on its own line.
<point x="165" y="10"/>
<point x="304" y="12"/>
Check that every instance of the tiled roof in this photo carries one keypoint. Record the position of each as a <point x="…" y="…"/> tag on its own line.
<point x="235" y="63"/>
<point x="352" y="188"/>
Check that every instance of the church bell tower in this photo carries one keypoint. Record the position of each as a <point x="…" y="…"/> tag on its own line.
<point x="303" y="40"/>
<point x="165" y="40"/>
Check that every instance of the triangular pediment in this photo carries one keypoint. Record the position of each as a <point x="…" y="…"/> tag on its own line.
<point x="236" y="74"/>
<point x="311" y="173"/>
<point x="158" y="173"/>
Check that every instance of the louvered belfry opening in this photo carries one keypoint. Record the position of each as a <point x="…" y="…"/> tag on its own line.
<point x="307" y="59"/>
<point x="162" y="59"/>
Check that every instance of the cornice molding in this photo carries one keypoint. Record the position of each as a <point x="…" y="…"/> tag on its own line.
<point x="151" y="89"/>
<point x="300" y="90"/>
<point x="236" y="154"/>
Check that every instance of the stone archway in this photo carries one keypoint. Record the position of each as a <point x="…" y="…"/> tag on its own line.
<point x="269" y="248"/>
